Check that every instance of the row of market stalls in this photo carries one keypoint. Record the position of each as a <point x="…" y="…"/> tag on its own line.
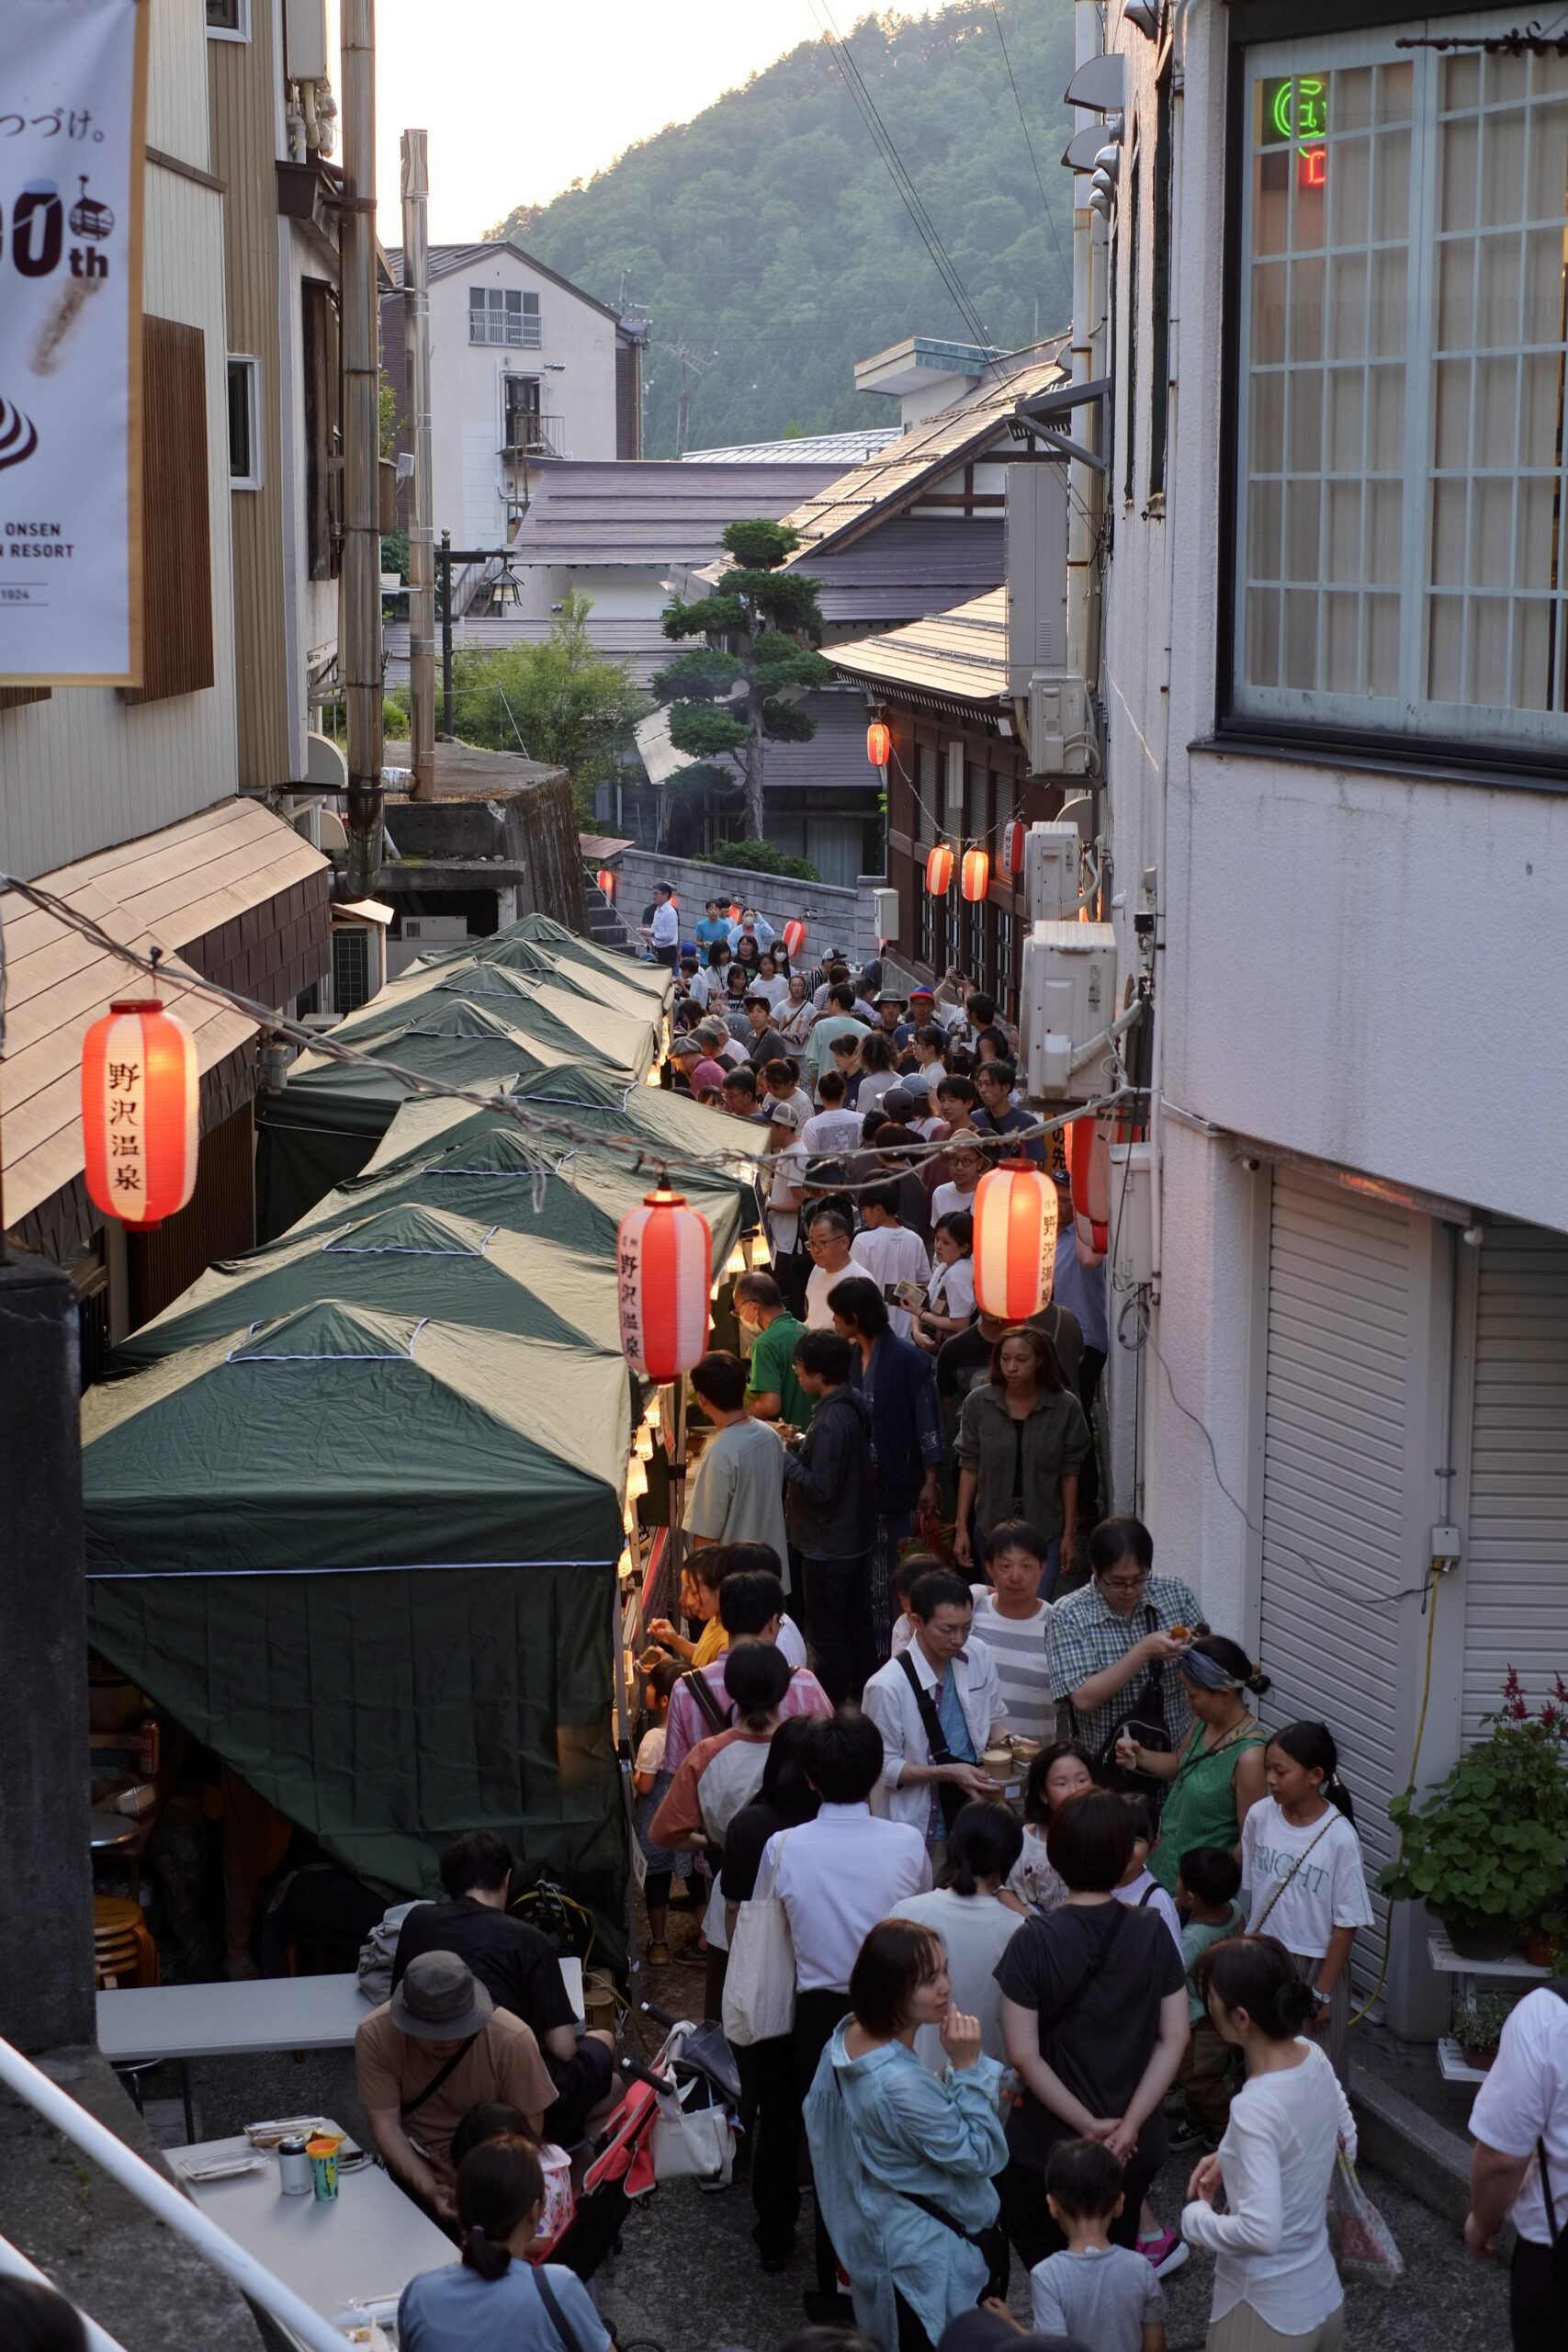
<point x="357" y="1503"/>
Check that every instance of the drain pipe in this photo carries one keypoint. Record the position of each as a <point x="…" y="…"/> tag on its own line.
<point x="360" y="626"/>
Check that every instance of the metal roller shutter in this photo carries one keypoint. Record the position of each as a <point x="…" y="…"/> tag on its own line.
<point x="1333" y="1484"/>
<point x="1516" y="1553"/>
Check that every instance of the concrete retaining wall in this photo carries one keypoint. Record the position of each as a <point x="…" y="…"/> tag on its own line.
<point x="834" y="917"/>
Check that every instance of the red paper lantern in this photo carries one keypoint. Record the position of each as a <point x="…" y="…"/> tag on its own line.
<point x="939" y="872"/>
<point x="140" y="1090"/>
<point x="879" y="743"/>
<point x="1015" y="1241"/>
<point x="976" y="879"/>
<point x="794" y="935"/>
<point x="1015" y="834"/>
<point x="664" y="1266"/>
<point x="1089" y="1168"/>
<point x="607" y="881"/>
<point x="735" y="913"/>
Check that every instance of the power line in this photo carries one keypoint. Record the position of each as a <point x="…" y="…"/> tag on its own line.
<point x="882" y="138"/>
<point x="1023" y="126"/>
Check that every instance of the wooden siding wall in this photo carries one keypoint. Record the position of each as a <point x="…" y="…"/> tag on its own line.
<point x="985" y="940"/>
<point x="177" y="528"/>
<point x="242" y="140"/>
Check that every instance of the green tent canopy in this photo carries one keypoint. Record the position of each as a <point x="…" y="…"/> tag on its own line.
<point x="370" y="1560"/>
<point x="501" y="987"/>
<point x="405" y="1259"/>
<point x="541" y="930"/>
<point x="573" y="1023"/>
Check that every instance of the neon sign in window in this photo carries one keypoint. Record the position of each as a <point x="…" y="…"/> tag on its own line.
<point x="1295" y="108"/>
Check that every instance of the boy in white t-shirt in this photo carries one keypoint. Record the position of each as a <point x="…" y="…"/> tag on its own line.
<point x="1095" y="2292"/>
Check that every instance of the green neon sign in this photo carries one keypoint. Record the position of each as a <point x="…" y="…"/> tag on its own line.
<point x="1298" y="109"/>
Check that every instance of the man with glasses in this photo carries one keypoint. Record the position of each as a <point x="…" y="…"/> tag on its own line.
<point x="1113" y="1645"/>
<point x="829" y="1241"/>
<point x="938" y="1699"/>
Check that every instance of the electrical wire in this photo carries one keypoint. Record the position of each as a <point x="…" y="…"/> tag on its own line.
<point x="1023" y="126"/>
<point x="854" y="82"/>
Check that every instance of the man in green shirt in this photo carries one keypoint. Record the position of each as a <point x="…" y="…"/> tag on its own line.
<point x="837" y="1021"/>
<point x="772" y="1391"/>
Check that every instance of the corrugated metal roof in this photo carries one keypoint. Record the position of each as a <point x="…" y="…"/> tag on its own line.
<point x="895" y="478"/>
<point x="649" y="511"/>
<point x="960" y="654"/>
<point x="831" y="448"/>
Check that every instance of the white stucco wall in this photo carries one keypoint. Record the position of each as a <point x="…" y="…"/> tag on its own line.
<point x="575" y="362"/>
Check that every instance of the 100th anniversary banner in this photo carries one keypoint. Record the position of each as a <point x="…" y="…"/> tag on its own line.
<point x="73" y="82"/>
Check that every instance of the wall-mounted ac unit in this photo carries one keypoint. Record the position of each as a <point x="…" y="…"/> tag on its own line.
<point x="1066" y="1000"/>
<point x="305" y="41"/>
<point x="1132" y="1220"/>
<point x="428" y="929"/>
<point x="1061" y="725"/>
<point x="885" y="915"/>
<point x="1051" y="854"/>
<point x="359" y="964"/>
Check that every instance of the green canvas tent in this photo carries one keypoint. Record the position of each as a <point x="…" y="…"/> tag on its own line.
<point x="480" y="981"/>
<point x="370" y="1560"/>
<point x="572" y="1021"/>
<point x="406" y="1258"/>
<point x="327" y="1121"/>
<point x="542" y="931"/>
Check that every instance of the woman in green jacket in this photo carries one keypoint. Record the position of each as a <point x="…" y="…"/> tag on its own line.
<point x="1021" y="1438"/>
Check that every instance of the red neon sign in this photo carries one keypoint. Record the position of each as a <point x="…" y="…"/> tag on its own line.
<point x="1313" y="168"/>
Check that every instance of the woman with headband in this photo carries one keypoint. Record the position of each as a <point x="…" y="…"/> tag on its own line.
<point x="1216" y="1776"/>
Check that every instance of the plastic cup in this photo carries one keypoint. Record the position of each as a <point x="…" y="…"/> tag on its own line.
<point x="323" y="2168"/>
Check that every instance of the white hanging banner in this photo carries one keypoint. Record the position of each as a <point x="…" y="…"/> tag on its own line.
<point x="72" y="104"/>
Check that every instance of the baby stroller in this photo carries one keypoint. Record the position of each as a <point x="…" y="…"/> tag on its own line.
<point x="676" y="2122"/>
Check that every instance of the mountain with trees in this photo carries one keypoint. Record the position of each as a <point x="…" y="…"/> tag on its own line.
<point x="769" y="244"/>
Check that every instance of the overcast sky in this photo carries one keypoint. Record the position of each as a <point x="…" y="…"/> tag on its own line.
<point x="523" y="96"/>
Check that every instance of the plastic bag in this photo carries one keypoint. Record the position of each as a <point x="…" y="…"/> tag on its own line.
<point x="1361" y="2241"/>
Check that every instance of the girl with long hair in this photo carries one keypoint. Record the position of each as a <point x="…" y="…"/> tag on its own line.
<point x="1302" y="1865"/>
<point x="494" y="2295"/>
<point x="1062" y="1770"/>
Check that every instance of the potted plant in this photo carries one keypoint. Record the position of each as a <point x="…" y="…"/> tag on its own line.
<point x="1486" y="1848"/>
<point x="1478" y="2026"/>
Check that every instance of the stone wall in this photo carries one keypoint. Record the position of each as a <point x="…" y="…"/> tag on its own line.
<point x="834" y="917"/>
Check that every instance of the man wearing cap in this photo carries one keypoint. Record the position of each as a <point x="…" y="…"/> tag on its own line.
<point x="788" y="1188"/>
<point x="437" y="2048"/>
<point x="889" y="1010"/>
<point x="664" y="931"/>
<point x="696" y="1065"/>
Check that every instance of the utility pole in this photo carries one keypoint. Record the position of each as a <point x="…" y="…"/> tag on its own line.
<point x="681" y="413"/>
<point x="422" y="554"/>
<point x="359" y="636"/>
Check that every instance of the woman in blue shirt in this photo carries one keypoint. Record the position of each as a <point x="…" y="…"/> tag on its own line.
<point x="903" y="2158"/>
<point x="493" y="2300"/>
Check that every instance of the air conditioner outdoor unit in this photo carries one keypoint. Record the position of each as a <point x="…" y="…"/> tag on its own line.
<point x="885" y="915"/>
<point x="1061" y="725"/>
<point x="429" y="928"/>
<point x="1066" y="1000"/>
<point x="1051" y="854"/>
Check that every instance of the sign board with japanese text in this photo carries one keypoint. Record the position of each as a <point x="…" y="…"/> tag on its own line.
<point x="72" y="102"/>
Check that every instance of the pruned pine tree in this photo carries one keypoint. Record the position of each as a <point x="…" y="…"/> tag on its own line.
<point x="742" y="687"/>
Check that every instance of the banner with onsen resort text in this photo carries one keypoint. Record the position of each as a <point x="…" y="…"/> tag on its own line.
<point x="72" y="76"/>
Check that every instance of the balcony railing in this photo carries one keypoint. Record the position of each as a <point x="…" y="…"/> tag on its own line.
<point x="532" y="434"/>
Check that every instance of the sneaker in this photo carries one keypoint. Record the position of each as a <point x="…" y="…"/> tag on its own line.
<point x="1187" y="2138"/>
<point x="659" y="1955"/>
<point x="1164" y="2254"/>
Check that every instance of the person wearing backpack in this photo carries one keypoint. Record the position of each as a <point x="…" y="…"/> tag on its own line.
<point x="1094" y="2017"/>
<point x="494" y="2300"/>
<point x="1519" y="2168"/>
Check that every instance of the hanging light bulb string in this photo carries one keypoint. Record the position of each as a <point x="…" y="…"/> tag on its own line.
<point x="552" y="1126"/>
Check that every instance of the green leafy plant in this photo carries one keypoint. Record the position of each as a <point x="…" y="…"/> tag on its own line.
<point x="758" y="857"/>
<point x="561" y="701"/>
<point x="1479" y="2022"/>
<point x="1486" y="1846"/>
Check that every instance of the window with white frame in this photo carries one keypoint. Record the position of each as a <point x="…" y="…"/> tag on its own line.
<point x="244" y="432"/>
<point x="1401" y="552"/>
<point x="229" y="19"/>
<point x="504" y="314"/>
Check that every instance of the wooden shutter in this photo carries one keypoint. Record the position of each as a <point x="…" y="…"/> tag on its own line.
<point x="176" y="549"/>
<point x="1333" y="1485"/>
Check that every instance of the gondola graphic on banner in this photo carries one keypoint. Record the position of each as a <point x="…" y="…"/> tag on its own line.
<point x="88" y="217"/>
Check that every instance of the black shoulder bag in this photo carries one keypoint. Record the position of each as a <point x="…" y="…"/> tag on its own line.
<point x="411" y="2106"/>
<point x="1055" y="2018"/>
<point x="569" y="2339"/>
<point x="1147" y="1711"/>
<point x="713" y="1714"/>
<point x="951" y="1799"/>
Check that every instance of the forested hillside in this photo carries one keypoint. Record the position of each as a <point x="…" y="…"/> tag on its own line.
<point x="766" y="238"/>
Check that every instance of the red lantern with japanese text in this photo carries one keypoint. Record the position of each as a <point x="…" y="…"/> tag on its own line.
<point x="975" y="878"/>
<point x="1015" y="835"/>
<point x="607" y="882"/>
<point x="664" y="1273"/>
<point x="139" y="1094"/>
<point x="879" y="743"/>
<point x="939" y="872"/>
<point x="793" y="936"/>
<point x="1088" y="1167"/>
<point x="1015" y="1241"/>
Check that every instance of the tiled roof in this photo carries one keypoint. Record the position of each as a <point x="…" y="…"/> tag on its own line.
<point x="962" y="655"/>
<point x="896" y="475"/>
<point x="911" y="565"/>
<point x="649" y="511"/>
<point x="445" y="260"/>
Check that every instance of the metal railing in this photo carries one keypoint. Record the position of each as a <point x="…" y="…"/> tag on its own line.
<point x="531" y="432"/>
<point x="161" y="2199"/>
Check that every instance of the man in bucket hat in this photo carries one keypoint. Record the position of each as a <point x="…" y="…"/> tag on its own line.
<point x="437" y="2048"/>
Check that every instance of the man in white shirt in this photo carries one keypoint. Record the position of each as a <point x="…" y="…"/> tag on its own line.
<point x="663" y="932"/>
<point x="940" y="1670"/>
<point x="967" y="1165"/>
<point x="832" y="1132"/>
<point x="829" y="1242"/>
<point x="788" y="1188"/>
<point x="889" y="1251"/>
<point x="836" y="1877"/>
<point x="1520" y="2110"/>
